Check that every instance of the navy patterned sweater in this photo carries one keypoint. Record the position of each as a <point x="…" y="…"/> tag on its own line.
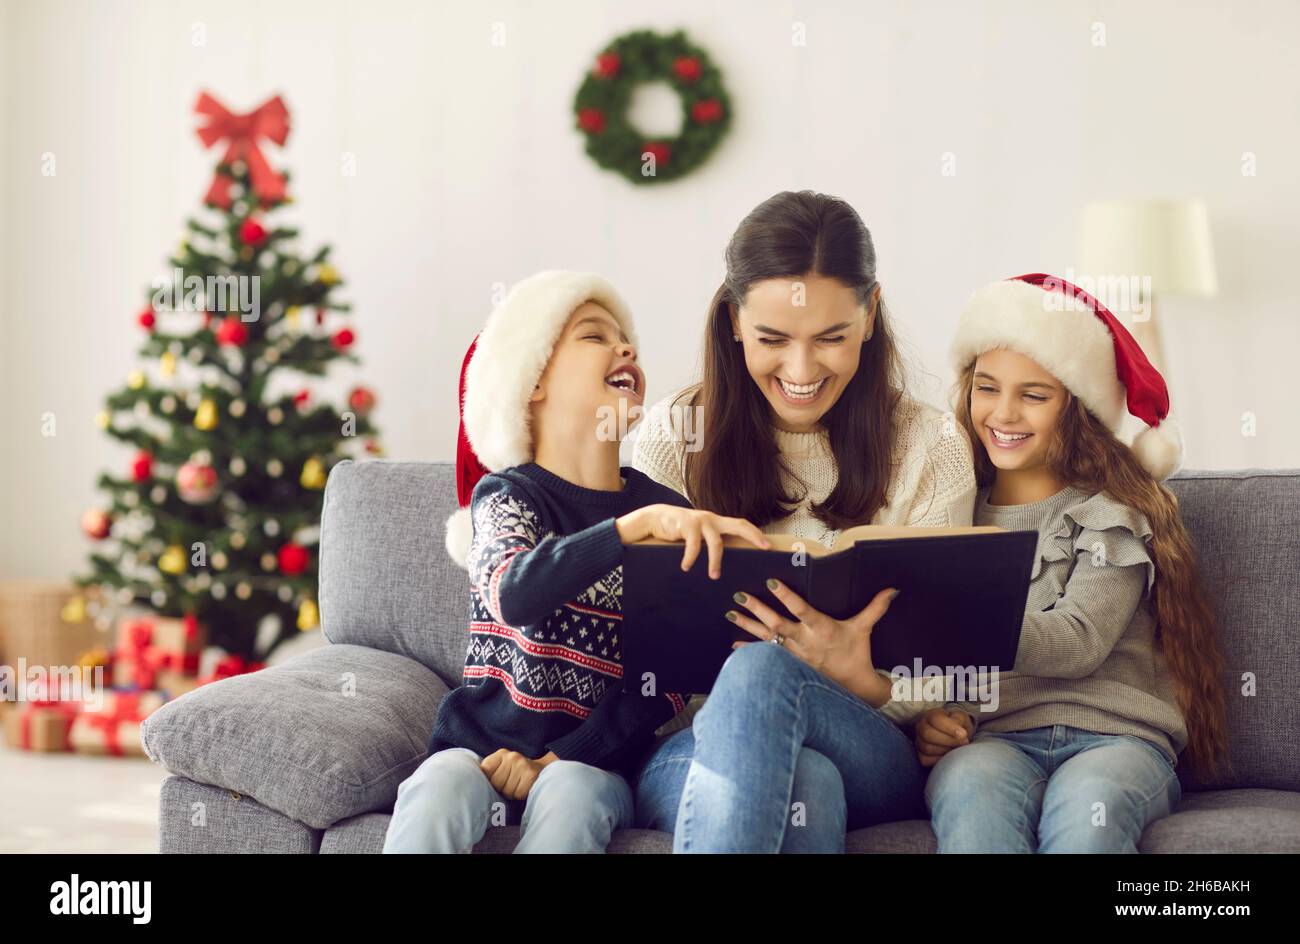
<point x="544" y="669"/>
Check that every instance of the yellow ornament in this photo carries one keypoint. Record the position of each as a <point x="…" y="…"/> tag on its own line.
<point x="172" y="560"/>
<point x="93" y="657"/>
<point x="135" y="380"/>
<point x="205" y="417"/>
<point x="308" y="616"/>
<point x="293" y="315"/>
<point x="313" y="474"/>
<point x="103" y="419"/>
<point x="74" y="611"/>
<point x="327" y="274"/>
<point x="167" y="364"/>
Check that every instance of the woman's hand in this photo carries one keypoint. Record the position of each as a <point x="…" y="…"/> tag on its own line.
<point x="938" y="731"/>
<point x="673" y="523"/>
<point x="839" y="649"/>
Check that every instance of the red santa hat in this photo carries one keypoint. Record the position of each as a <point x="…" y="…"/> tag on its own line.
<point x="1077" y="339"/>
<point x="500" y="371"/>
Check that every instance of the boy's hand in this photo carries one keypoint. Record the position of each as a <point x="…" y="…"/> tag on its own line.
<point x="511" y="773"/>
<point x="671" y="523"/>
<point x="939" y="731"/>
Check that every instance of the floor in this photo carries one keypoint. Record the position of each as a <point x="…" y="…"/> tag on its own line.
<point x="78" y="803"/>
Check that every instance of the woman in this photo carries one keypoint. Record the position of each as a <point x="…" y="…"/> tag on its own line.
<point x="800" y="425"/>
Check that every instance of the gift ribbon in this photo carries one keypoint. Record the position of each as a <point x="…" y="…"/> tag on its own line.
<point x="122" y="707"/>
<point x="270" y="120"/>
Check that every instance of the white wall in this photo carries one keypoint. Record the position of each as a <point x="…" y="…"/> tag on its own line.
<point x="469" y="174"/>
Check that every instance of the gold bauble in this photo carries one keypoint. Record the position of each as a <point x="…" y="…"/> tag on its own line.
<point x="172" y="560"/>
<point x="205" y="418"/>
<point x="308" y="615"/>
<point x="313" y="474"/>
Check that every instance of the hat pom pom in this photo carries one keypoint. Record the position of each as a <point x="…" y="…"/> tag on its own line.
<point x="1160" y="449"/>
<point x="460" y="531"/>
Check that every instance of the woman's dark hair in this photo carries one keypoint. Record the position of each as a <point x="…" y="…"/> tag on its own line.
<point x="736" y="471"/>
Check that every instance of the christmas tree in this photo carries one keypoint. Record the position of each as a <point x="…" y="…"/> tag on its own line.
<point x="217" y="516"/>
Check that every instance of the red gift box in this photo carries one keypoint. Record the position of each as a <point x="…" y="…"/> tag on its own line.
<point x="114" y="728"/>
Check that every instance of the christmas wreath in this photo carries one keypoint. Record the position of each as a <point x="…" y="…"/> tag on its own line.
<point x="601" y="106"/>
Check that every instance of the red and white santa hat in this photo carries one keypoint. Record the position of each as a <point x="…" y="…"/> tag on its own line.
<point x="501" y="369"/>
<point x="1077" y="339"/>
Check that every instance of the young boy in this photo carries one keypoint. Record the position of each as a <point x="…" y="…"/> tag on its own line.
<point x="542" y="716"/>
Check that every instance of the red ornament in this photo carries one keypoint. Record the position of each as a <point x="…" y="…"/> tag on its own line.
<point x="607" y="64"/>
<point x="293" y="559"/>
<point x="687" y="68"/>
<point x="196" y="483"/>
<point x="252" y="232"/>
<point x="659" y="150"/>
<point x="706" y="110"/>
<point x="96" y="524"/>
<point x="591" y="120"/>
<point x="142" y="466"/>
<point x="301" y="397"/>
<point x="361" y="400"/>
<point x="343" y="338"/>
<point x="147" y="319"/>
<point x="232" y="332"/>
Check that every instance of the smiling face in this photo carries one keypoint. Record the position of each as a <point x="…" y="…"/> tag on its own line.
<point x="1014" y="408"/>
<point x="803" y="341"/>
<point x="592" y="368"/>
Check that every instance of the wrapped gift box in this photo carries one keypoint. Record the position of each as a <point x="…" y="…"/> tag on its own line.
<point x="115" y="728"/>
<point x="39" y="725"/>
<point x="149" y="645"/>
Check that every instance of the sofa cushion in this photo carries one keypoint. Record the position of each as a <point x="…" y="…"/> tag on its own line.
<point x="198" y="818"/>
<point x="385" y="578"/>
<point x="1229" y="821"/>
<point x="327" y="735"/>
<point x="1244" y="526"/>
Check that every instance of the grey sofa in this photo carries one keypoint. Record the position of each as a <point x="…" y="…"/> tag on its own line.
<point x="306" y="756"/>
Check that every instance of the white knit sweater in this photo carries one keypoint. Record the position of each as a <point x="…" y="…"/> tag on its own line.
<point x="933" y="485"/>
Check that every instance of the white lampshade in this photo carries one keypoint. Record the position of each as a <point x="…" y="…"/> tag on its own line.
<point x="1166" y="240"/>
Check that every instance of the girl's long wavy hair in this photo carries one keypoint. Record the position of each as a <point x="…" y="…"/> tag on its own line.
<point x="1085" y="454"/>
<point x="737" y="470"/>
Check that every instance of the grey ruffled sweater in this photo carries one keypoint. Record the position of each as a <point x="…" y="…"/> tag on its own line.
<point x="1087" y="656"/>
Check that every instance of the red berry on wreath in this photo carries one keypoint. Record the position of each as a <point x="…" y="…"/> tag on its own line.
<point x="147" y="319"/>
<point x="293" y="559"/>
<point x="659" y="150"/>
<point x="142" y="466"/>
<point x="706" y="110"/>
<point x="232" y="332"/>
<point x="343" y="339"/>
<point x="591" y="120"/>
<point x="607" y="64"/>
<point x="687" y="68"/>
<point x="252" y="233"/>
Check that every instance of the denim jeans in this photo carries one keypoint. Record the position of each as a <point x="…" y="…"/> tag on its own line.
<point x="780" y="758"/>
<point x="1049" y="789"/>
<point x="446" y="804"/>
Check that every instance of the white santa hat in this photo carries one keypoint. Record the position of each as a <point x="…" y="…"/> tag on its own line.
<point x="1077" y="339"/>
<point x="501" y="369"/>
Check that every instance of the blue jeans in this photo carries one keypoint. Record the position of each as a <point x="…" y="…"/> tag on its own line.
<point x="446" y="804"/>
<point x="780" y="758"/>
<point x="1050" y="789"/>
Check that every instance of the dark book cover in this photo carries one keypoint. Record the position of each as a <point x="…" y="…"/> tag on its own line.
<point x="962" y="601"/>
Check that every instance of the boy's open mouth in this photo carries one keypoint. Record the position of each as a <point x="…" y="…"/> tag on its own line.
<point x="627" y="379"/>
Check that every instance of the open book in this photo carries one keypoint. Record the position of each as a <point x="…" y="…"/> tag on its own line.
<point x="962" y="599"/>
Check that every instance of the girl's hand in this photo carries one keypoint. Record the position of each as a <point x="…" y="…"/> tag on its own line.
<point x="672" y="523"/>
<point x="938" y="731"/>
<point x="839" y="649"/>
<point x="511" y="773"/>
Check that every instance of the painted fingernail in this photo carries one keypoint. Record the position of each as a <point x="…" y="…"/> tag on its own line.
<point x="771" y="584"/>
<point x="739" y="597"/>
<point x="731" y="615"/>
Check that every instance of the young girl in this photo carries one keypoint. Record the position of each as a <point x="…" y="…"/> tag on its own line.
<point x="1118" y="669"/>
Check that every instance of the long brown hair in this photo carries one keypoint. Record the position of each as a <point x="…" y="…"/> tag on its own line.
<point x="737" y="470"/>
<point x="1087" y="455"/>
